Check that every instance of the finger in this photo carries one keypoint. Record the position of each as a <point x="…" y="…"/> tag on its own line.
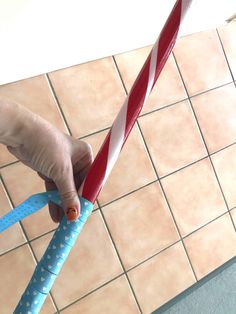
<point x="82" y="160"/>
<point x="80" y="149"/>
<point x="69" y="196"/>
<point x="80" y="173"/>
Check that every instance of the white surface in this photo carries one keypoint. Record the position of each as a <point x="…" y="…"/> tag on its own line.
<point x="39" y="36"/>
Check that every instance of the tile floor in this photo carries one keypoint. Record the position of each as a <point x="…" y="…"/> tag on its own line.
<point x="167" y="215"/>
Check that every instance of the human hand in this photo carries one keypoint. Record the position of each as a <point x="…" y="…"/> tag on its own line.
<point x="59" y="159"/>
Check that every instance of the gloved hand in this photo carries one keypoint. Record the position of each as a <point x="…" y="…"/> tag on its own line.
<point x="59" y="159"/>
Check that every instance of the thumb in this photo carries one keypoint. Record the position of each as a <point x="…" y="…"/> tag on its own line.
<point x="69" y="196"/>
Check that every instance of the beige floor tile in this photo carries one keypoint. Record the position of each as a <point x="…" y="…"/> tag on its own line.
<point x="92" y="262"/>
<point x="169" y="87"/>
<point x="227" y="35"/>
<point x="172" y="137"/>
<point x="216" y="113"/>
<point x="225" y="166"/>
<point x="194" y="196"/>
<point x="90" y="94"/>
<point x="22" y="182"/>
<point x="5" y="156"/>
<point x="132" y="170"/>
<point x="161" y="278"/>
<point x="201" y="61"/>
<point x="140" y="224"/>
<point x="12" y="236"/>
<point x="16" y="270"/>
<point x="130" y="63"/>
<point x="115" y="297"/>
<point x="34" y="94"/>
<point x="141" y="229"/>
<point x="211" y="246"/>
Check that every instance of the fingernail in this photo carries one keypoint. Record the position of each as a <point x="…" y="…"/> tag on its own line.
<point x="72" y="213"/>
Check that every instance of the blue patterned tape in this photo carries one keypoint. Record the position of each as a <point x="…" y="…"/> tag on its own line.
<point x="28" y="207"/>
<point x="55" y="255"/>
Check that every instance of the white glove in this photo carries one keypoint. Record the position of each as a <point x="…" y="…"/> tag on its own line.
<point x="59" y="159"/>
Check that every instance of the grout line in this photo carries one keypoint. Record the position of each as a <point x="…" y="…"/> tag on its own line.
<point x="171" y="104"/>
<point x="100" y="208"/>
<point x="154" y="255"/>
<point x="162" y="177"/>
<point x="27" y="242"/>
<point x="158" y="179"/>
<point x="221" y="149"/>
<point x="155" y="170"/>
<point x="91" y="292"/>
<point x="125" y="272"/>
<point x="184" y="99"/>
<point x="96" y="132"/>
<point x="108" y="230"/>
<point x="233" y="208"/>
<point x="203" y="139"/>
<point x="113" y="279"/>
<point x="163" y="107"/>
<point x="164" y="194"/>
<point x="179" y="241"/>
<point x="209" y="90"/>
<point x="120" y="76"/>
<point x="168" y="204"/>
<point x="117" y="252"/>
<point x="43" y="234"/>
<point x="58" y="103"/>
<point x="206" y="224"/>
<point x="182" y="168"/>
<point x="35" y="238"/>
<point x="11" y="163"/>
<point x="12" y="205"/>
<point x="141" y="115"/>
<point x="25" y="235"/>
<point x="124" y="195"/>
<point x="222" y="46"/>
<point x="147" y="259"/>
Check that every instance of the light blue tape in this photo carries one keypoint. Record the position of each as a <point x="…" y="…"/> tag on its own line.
<point x="54" y="262"/>
<point x="55" y="255"/>
<point x="28" y="207"/>
<point x="27" y="306"/>
<point x="42" y="279"/>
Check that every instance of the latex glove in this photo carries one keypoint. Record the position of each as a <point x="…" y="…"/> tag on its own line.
<point x="59" y="159"/>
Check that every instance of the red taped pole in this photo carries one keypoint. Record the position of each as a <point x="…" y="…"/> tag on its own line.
<point x="134" y="102"/>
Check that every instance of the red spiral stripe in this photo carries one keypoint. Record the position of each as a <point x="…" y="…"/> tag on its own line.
<point x="129" y="113"/>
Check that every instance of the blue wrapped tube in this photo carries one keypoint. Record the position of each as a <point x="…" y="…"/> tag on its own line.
<point x="42" y="279"/>
<point x="29" y="303"/>
<point x="54" y="262"/>
<point x="55" y="255"/>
